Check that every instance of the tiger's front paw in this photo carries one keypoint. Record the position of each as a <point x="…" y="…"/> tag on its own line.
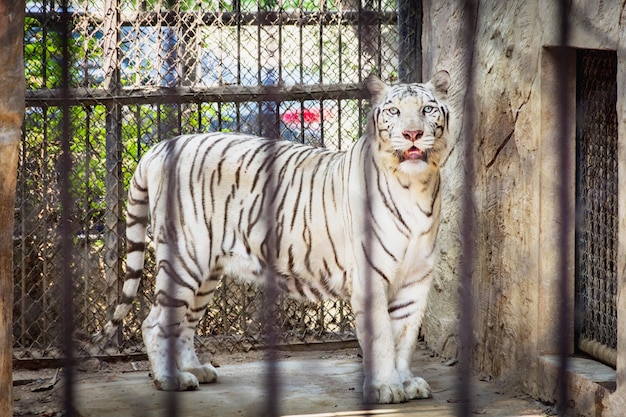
<point x="384" y="394"/>
<point x="180" y="381"/>
<point x="205" y="373"/>
<point x="417" y="387"/>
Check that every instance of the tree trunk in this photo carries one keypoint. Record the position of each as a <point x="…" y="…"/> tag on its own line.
<point x="11" y="117"/>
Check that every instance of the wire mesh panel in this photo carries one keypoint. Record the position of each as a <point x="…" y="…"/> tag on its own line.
<point x="597" y="197"/>
<point x="144" y="71"/>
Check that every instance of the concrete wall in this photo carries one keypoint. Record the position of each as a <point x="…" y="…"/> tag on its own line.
<point x="516" y="179"/>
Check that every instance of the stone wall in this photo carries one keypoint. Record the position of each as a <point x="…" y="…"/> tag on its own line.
<point x="514" y="280"/>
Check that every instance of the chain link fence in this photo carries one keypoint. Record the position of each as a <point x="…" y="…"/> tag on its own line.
<point x="597" y="193"/>
<point x="142" y="71"/>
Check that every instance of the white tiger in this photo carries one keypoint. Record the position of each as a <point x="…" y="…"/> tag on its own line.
<point x="358" y="224"/>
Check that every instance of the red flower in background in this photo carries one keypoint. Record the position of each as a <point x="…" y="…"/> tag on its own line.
<point x="309" y="116"/>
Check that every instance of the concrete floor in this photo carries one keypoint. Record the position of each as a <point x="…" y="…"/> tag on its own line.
<point x="313" y="384"/>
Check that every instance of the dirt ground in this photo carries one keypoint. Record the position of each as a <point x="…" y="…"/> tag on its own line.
<point x="39" y="393"/>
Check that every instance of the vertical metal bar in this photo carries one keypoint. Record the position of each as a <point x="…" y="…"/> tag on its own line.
<point x="237" y="10"/>
<point x="272" y="377"/>
<point x="467" y="239"/>
<point x="279" y="79"/>
<point x="340" y="45"/>
<point x="172" y="80"/>
<point x="321" y="42"/>
<point x="86" y="218"/>
<point x="138" y="138"/>
<point x="199" y="116"/>
<point x="321" y="72"/>
<point x="271" y="406"/>
<point x="113" y="151"/>
<point x="301" y="66"/>
<point x="339" y="124"/>
<point x="367" y="339"/>
<point x="564" y="212"/>
<point x="378" y="38"/>
<point x="223" y="289"/>
<point x="260" y="16"/>
<point x="410" y="14"/>
<point x="322" y="141"/>
<point x="65" y="222"/>
<point x="280" y="41"/>
<point x="44" y="41"/>
<point x="179" y="117"/>
<point x="42" y="247"/>
<point x="172" y="181"/>
<point x="160" y="135"/>
<point x="301" y="40"/>
<point x="113" y="200"/>
<point x="44" y="227"/>
<point x="579" y="227"/>
<point x="219" y="116"/>
<point x="23" y="245"/>
<point x="360" y="48"/>
<point x="301" y="121"/>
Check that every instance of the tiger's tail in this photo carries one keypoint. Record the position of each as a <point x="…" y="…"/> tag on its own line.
<point x="136" y="227"/>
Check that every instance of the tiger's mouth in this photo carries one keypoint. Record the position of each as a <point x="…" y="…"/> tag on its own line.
<point x="414" y="154"/>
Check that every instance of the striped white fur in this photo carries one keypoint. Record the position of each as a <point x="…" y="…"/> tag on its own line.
<point x="359" y="224"/>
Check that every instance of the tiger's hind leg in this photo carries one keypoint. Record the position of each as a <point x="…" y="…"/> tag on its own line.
<point x="169" y="329"/>
<point x="163" y="336"/>
<point x="189" y="362"/>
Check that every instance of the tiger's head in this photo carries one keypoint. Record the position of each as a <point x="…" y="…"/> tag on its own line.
<point x="410" y="122"/>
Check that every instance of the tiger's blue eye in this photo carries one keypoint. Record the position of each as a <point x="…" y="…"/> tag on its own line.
<point x="394" y="111"/>
<point x="428" y="109"/>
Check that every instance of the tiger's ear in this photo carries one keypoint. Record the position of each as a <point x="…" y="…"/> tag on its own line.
<point x="376" y="88"/>
<point x="439" y="84"/>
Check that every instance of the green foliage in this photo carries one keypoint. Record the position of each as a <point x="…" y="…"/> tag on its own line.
<point x="42" y="56"/>
<point x="142" y="125"/>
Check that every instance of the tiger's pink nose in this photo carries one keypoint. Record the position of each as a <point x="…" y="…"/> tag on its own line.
<point x="412" y="135"/>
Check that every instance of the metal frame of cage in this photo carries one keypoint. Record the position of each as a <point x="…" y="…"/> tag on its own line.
<point x="106" y="98"/>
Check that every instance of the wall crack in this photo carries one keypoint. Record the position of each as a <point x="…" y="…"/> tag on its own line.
<point x="502" y="145"/>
